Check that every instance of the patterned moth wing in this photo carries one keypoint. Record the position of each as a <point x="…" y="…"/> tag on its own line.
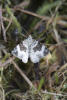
<point x="30" y="48"/>
<point x="38" y="51"/>
<point x="21" y="51"/>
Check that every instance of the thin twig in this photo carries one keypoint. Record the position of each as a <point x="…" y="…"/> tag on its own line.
<point x="0" y="18"/>
<point x="22" y="4"/>
<point x="54" y="94"/>
<point x="62" y="67"/>
<point x="32" y="13"/>
<point x="2" y="25"/>
<point x="4" y="32"/>
<point x="8" y="25"/>
<point x="44" y="18"/>
<point x="22" y="74"/>
<point x="58" y="39"/>
<point x="6" y="62"/>
<point x="10" y="60"/>
<point x="5" y="19"/>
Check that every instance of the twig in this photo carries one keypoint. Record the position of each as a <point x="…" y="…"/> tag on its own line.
<point x="22" y="74"/>
<point x="44" y="18"/>
<point x="55" y="12"/>
<point x="6" y="62"/>
<point x="2" y="25"/>
<point x="0" y="18"/>
<point x="17" y="68"/>
<point x="8" y="25"/>
<point x="2" y="93"/>
<point x="62" y="67"/>
<point x="22" y="4"/>
<point x="58" y="39"/>
<point x="4" y="32"/>
<point x="32" y="13"/>
<point x="54" y="94"/>
<point x="5" y="19"/>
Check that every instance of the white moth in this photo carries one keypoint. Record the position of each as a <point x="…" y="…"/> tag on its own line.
<point x="30" y="48"/>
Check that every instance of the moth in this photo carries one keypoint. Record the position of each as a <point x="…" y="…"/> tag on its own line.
<point x="30" y="48"/>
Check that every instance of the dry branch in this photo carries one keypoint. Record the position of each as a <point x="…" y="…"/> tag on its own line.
<point x="10" y="61"/>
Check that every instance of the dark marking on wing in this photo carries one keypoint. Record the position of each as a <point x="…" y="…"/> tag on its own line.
<point x="37" y="48"/>
<point x="15" y="52"/>
<point x="22" y="47"/>
<point x="46" y="51"/>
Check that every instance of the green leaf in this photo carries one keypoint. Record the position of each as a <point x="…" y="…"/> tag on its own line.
<point x="41" y="83"/>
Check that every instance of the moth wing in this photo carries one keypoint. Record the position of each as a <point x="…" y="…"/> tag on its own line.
<point x="21" y="51"/>
<point x="38" y="51"/>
